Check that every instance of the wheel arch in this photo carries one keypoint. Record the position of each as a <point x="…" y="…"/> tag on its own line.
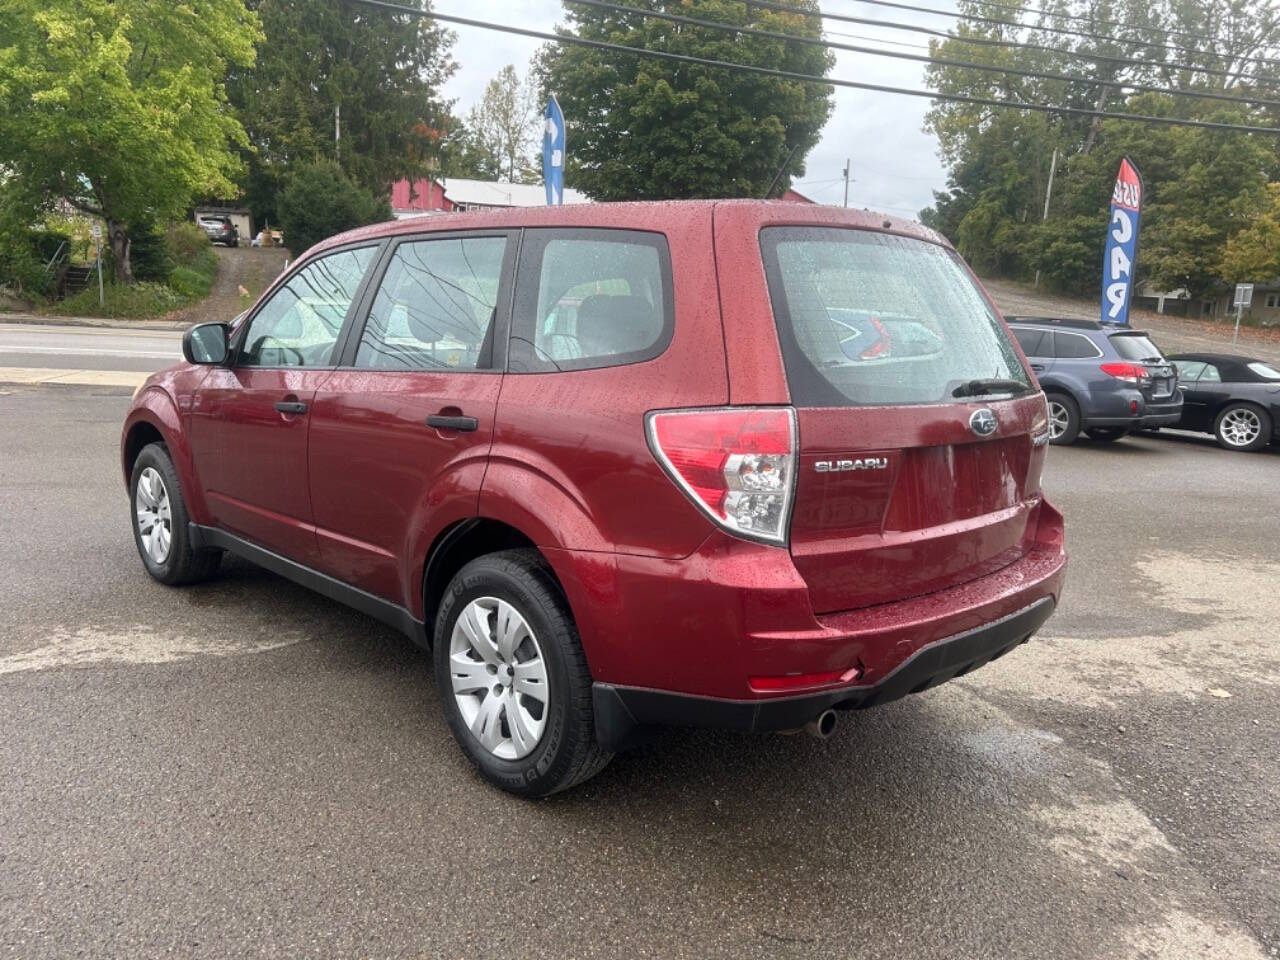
<point x="155" y="418"/>
<point x="459" y="544"/>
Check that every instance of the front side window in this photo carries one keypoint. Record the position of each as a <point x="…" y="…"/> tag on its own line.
<point x="436" y="307"/>
<point x="299" y="325"/>
<point x="1210" y="374"/>
<point x="591" y="298"/>
<point x="869" y="319"/>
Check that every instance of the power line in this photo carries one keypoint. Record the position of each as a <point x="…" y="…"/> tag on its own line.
<point x="1092" y="21"/>
<point x="975" y="18"/>
<point x="807" y="77"/>
<point x="991" y="41"/>
<point x="916" y="57"/>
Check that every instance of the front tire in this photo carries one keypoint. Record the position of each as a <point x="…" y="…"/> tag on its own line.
<point x="512" y="677"/>
<point x="160" y="520"/>
<point x="1064" y="419"/>
<point x="1242" y="427"/>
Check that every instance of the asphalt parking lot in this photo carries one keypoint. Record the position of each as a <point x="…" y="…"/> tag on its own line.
<point x="247" y="769"/>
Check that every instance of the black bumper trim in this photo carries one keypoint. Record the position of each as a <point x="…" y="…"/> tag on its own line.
<point x="621" y="713"/>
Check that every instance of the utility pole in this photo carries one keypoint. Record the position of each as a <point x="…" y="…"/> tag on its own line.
<point x="1048" y="192"/>
<point x="337" y="132"/>
<point x="846" y="182"/>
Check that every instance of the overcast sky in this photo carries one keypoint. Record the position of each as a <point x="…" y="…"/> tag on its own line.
<point x="895" y="166"/>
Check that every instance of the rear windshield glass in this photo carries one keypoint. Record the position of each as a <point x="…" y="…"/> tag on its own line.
<point x="1135" y="346"/>
<point x="870" y="319"/>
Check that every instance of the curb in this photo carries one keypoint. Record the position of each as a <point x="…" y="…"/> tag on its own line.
<point x="81" y="378"/>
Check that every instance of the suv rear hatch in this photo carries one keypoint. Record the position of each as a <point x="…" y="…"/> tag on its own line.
<point x="1153" y="375"/>
<point x="921" y="435"/>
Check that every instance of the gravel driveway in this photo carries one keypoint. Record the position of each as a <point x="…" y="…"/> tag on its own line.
<point x="251" y="268"/>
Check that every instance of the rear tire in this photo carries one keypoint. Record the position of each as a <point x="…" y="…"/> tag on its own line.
<point x="1106" y="434"/>
<point x="513" y="680"/>
<point x="1242" y="427"/>
<point x="160" y="520"/>
<point x="1064" y="419"/>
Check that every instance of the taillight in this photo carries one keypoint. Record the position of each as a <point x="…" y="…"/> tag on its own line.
<point x="737" y="464"/>
<point x="1128" y="372"/>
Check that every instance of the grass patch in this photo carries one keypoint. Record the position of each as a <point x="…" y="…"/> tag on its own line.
<point x="133" y="301"/>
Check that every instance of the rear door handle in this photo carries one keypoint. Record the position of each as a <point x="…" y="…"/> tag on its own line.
<point x="291" y="406"/>
<point x="443" y="422"/>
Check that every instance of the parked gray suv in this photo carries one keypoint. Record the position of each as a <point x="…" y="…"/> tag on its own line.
<point x="1104" y="380"/>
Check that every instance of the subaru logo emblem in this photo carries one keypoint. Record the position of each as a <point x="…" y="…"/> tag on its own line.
<point x="982" y="422"/>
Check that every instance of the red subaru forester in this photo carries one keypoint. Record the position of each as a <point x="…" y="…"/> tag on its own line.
<point x="733" y="464"/>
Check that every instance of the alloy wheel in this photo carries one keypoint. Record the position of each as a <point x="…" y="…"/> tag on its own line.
<point x="1058" y="419"/>
<point x="155" y="523"/>
<point x="1240" y="427"/>
<point x="499" y="678"/>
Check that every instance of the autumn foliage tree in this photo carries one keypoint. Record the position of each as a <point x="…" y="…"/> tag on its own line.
<point x="118" y="106"/>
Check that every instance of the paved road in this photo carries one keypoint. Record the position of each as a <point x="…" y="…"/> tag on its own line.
<point x="246" y="769"/>
<point x="88" y="348"/>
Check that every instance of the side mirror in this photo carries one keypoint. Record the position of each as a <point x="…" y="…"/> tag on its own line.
<point x="206" y="343"/>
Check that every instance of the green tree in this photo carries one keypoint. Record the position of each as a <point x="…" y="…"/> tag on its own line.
<point x="648" y="129"/>
<point x="1200" y="184"/>
<point x="504" y="125"/>
<point x="320" y="200"/>
<point x="118" y="105"/>
<point x="1253" y="254"/>
<point x="375" y="73"/>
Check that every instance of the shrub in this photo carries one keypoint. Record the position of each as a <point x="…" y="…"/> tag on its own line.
<point x="185" y="242"/>
<point x="190" y="284"/>
<point x="131" y="300"/>
<point x="149" y="254"/>
<point x="319" y="200"/>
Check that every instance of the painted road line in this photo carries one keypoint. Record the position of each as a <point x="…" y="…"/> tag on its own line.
<point x="86" y="350"/>
<point x="84" y="378"/>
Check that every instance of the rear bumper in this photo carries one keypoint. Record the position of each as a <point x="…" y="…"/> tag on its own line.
<point x="682" y="641"/>
<point x="1150" y="414"/>
<point x="621" y="711"/>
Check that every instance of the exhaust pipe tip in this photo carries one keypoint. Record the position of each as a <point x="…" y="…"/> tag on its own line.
<point x="822" y="726"/>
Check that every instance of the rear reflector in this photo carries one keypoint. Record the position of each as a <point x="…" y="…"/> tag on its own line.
<point x="737" y="464"/>
<point x="800" y="681"/>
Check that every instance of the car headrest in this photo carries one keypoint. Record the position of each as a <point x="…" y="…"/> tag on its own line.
<point x="616" y="324"/>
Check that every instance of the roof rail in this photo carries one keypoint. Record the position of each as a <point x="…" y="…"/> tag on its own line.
<point x="1058" y="322"/>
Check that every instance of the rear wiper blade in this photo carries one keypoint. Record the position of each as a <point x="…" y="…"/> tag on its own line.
<point x="979" y="388"/>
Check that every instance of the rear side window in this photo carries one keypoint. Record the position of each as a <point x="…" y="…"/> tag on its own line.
<point x="869" y="319"/>
<point x="1032" y="341"/>
<point x="436" y="307"/>
<point x="1189" y="370"/>
<point x="1073" y="346"/>
<point x="1135" y="346"/>
<point x="590" y="298"/>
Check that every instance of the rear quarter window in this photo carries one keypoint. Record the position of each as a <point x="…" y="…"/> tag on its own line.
<point x="590" y="298"/>
<point x="1073" y="346"/>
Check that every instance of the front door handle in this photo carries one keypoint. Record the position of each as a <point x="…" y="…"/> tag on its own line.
<point x="444" y="422"/>
<point x="291" y="406"/>
<point x="1038" y="367"/>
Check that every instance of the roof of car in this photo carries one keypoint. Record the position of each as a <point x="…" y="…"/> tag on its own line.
<point x="1110" y="329"/>
<point x="652" y="215"/>
<point x="1223" y="358"/>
